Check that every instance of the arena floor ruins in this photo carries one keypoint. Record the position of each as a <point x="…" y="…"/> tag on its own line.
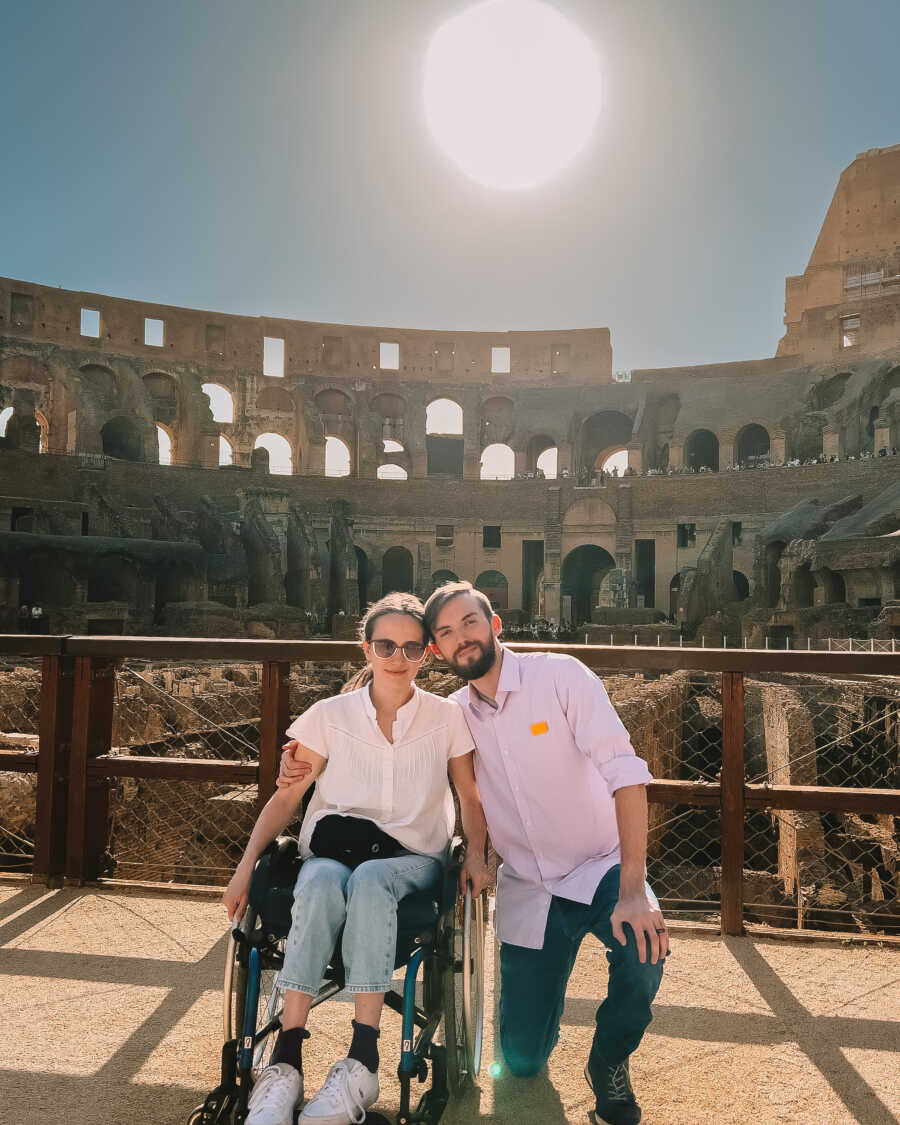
<point x="115" y="1001"/>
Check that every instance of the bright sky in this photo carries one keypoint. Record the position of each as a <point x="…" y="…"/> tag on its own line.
<point x="275" y="158"/>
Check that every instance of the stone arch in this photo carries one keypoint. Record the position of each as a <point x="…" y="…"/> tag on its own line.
<point x="701" y="450"/>
<point x="391" y="409"/>
<point x="540" y="446"/>
<point x="101" y="384"/>
<point x="5" y="414"/>
<point x="752" y="446"/>
<point x="498" y="462"/>
<point x="600" y="433"/>
<point x="166" y="444"/>
<point x="275" y="400"/>
<point x="221" y="402"/>
<point x="44" y="427"/>
<point x="833" y="586"/>
<point x="112" y="578"/>
<point x="741" y="585"/>
<point x="338" y="459"/>
<point x="444" y="442"/>
<point x="123" y="439"/>
<point x="280" y="453"/>
<point x="495" y="585"/>
<point x="802" y="588"/>
<point x="162" y="391"/>
<point x="497" y="416"/>
<point x="583" y="569"/>
<point x="334" y="403"/>
<point x="441" y="578"/>
<point x="587" y="514"/>
<point x="397" y="571"/>
<point x="390" y="471"/>
<point x="612" y="461"/>
<point x="226" y="451"/>
<point x="444" y="417"/>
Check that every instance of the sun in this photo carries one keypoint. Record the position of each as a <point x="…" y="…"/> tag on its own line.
<point x="512" y="92"/>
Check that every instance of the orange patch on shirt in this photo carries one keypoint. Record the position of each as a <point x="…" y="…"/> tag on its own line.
<point x="539" y="728"/>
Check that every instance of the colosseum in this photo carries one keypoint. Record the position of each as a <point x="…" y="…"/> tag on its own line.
<point x="172" y="471"/>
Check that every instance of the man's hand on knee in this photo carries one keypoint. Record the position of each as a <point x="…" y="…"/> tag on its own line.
<point x="651" y="934"/>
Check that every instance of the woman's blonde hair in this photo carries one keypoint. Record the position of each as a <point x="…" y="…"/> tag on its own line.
<point x="407" y="604"/>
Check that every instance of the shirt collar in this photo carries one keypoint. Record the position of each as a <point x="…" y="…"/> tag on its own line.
<point x="510" y="680"/>
<point x="405" y="714"/>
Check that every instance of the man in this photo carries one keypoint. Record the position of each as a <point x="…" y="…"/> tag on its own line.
<point x="566" y="807"/>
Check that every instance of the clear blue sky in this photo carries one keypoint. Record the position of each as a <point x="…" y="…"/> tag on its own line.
<point x="271" y="156"/>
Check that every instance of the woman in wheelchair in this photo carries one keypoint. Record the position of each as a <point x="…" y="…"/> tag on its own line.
<point x="380" y="753"/>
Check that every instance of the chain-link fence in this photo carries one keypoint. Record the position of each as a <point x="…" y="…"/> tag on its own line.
<point x="823" y="870"/>
<point x="20" y="693"/>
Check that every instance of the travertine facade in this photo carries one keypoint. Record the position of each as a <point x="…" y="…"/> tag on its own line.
<point x="103" y="537"/>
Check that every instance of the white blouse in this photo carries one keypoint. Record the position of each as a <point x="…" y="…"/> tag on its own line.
<point x="401" y="786"/>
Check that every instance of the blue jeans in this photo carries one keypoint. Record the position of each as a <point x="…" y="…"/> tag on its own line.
<point x="327" y="896"/>
<point x="533" y="985"/>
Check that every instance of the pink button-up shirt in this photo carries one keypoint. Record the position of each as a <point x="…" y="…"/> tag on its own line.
<point x="548" y="760"/>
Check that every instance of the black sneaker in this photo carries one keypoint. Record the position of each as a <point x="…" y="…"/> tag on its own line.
<point x="616" y="1103"/>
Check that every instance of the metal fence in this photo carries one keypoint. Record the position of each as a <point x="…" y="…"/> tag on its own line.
<point x="20" y="690"/>
<point x="777" y="775"/>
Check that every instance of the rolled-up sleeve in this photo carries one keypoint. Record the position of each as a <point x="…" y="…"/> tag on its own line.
<point x="598" y="731"/>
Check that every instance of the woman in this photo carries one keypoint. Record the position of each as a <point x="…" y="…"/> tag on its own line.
<point x="381" y="751"/>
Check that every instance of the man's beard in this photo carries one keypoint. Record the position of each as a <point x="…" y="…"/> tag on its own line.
<point x="478" y="668"/>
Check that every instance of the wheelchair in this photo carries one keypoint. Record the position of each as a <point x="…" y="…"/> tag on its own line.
<point x="441" y="1029"/>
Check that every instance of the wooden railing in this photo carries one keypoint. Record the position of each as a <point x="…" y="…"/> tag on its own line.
<point x="74" y="764"/>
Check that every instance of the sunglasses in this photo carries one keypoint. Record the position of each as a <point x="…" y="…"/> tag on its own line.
<point x="385" y="649"/>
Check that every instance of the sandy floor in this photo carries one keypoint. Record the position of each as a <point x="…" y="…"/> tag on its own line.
<point x="113" y="1013"/>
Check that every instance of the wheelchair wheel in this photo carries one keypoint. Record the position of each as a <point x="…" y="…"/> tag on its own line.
<point x="268" y="1014"/>
<point x="463" y="995"/>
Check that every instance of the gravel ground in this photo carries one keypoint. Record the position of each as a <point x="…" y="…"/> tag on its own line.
<point x="116" y="1002"/>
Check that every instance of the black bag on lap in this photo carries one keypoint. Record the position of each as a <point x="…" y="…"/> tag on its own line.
<point x="351" y="840"/>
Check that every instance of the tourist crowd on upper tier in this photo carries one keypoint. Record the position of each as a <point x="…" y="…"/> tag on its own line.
<point x="586" y="478"/>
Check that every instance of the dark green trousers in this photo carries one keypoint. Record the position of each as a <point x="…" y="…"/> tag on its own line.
<point x="533" y="985"/>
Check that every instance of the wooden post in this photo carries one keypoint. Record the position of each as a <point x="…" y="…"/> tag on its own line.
<point x="55" y="739"/>
<point x="275" y="717"/>
<point x="92" y="716"/>
<point x="732" y="808"/>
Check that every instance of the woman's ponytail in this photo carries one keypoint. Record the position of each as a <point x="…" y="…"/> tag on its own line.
<point x="358" y="679"/>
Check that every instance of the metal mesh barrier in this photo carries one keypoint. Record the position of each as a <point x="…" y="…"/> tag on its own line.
<point x="20" y="693"/>
<point x="187" y="711"/>
<point x="831" y="870"/>
<point x="675" y="724"/>
<point x="178" y="831"/>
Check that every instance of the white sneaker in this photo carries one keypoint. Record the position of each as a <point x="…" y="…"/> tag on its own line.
<point x="275" y="1095"/>
<point x="347" y="1093"/>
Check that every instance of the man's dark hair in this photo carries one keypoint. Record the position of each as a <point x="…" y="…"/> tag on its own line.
<point x="448" y="592"/>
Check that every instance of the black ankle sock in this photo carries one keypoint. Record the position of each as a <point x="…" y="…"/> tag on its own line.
<point x="289" y="1047"/>
<point x="364" y="1047"/>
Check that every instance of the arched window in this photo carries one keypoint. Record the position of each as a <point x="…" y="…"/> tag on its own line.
<point x="396" y="571"/>
<point x="495" y="585"/>
<point x="615" y="463"/>
<point x="392" y="472"/>
<point x="498" y="462"/>
<point x="122" y="439"/>
<point x="5" y="414"/>
<point x="226" y="451"/>
<point x="441" y="578"/>
<point x="279" y="450"/>
<point x="443" y="416"/>
<point x="391" y="446"/>
<point x="45" y="431"/>
<point x="337" y="457"/>
<point x="701" y="451"/>
<point x="220" y="401"/>
<point x="751" y="446"/>
<point x="164" y="438"/>
<point x="548" y="463"/>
